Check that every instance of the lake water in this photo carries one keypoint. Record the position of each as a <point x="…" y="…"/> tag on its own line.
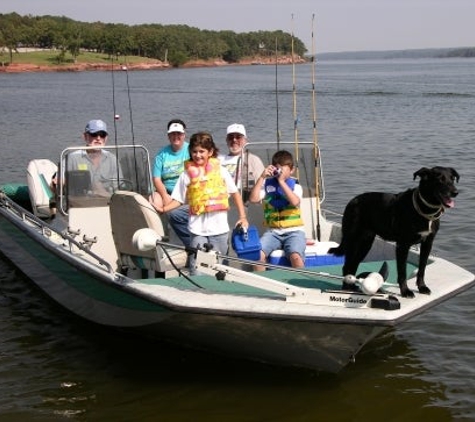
<point x="378" y="123"/>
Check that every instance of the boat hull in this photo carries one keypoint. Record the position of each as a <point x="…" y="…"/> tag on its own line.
<point x="100" y="297"/>
<point x="320" y="345"/>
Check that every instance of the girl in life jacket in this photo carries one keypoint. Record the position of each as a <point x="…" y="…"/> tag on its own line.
<point x="280" y="195"/>
<point x="206" y="186"/>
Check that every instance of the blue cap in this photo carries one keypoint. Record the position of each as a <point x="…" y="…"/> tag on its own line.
<point x="94" y="126"/>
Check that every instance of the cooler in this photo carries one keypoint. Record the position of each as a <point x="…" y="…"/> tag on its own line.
<point x="315" y="256"/>
<point x="247" y="245"/>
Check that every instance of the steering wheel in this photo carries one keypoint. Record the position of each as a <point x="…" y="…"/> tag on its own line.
<point x="122" y="184"/>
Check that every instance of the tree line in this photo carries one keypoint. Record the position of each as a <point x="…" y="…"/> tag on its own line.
<point x="175" y="44"/>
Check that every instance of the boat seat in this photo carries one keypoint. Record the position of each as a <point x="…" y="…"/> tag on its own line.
<point x="94" y="223"/>
<point x="39" y="175"/>
<point x="130" y="212"/>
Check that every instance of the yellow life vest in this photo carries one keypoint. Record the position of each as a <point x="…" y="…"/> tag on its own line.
<point x="278" y="212"/>
<point x="207" y="191"/>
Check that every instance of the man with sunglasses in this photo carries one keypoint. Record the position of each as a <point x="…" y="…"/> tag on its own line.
<point x="101" y="164"/>
<point x="244" y="167"/>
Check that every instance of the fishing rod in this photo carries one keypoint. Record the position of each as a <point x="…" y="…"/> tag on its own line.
<point x="316" y="150"/>
<point x="116" y="116"/>
<point x="126" y="69"/>
<point x="294" y="98"/>
<point x="277" y="95"/>
<point x="114" y="107"/>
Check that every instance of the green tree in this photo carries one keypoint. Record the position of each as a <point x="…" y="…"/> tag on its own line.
<point x="43" y="33"/>
<point x="232" y="53"/>
<point x="177" y="58"/>
<point x="10" y="29"/>
<point x="177" y="43"/>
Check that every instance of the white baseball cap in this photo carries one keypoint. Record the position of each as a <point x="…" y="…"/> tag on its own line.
<point x="176" y="127"/>
<point x="236" y="128"/>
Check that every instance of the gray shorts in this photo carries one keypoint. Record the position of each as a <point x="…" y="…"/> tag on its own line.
<point x="289" y="242"/>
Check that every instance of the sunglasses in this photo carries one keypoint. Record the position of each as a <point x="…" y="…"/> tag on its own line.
<point x="98" y="134"/>
<point x="234" y="136"/>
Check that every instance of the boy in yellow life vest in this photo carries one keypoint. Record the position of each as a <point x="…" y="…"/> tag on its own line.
<point x="281" y="195"/>
<point x="206" y="186"/>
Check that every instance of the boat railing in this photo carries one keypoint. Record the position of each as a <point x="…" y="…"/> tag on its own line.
<point x="47" y="231"/>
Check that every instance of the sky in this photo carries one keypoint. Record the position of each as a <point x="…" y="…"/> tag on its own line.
<point x="338" y="25"/>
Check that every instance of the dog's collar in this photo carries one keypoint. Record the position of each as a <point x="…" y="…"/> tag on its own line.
<point x="429" y="216"/>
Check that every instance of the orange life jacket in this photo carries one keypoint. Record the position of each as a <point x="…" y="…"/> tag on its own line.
<point x="207" y="191"/>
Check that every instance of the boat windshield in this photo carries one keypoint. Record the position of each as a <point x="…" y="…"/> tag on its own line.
<point x="90" y="175"/>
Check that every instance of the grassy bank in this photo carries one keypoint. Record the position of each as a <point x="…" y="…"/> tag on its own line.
<point x="50" y="58"/>
<point x="47" y="61"/>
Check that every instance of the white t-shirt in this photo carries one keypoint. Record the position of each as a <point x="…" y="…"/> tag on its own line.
<point x="252" y="168"/>
<point x="206" y="224"/>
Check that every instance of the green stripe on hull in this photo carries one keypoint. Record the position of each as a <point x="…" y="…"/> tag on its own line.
<point x="69" y="274"/>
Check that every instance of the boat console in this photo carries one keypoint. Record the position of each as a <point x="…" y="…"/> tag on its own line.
<point x="84" y="193"/>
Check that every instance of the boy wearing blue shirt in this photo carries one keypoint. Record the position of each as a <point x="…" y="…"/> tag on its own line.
<point x="280" y="195"/>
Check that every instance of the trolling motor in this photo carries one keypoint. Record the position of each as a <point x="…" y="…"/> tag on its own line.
<point x="369" y="284"/>
<point x="147" y="239"/>
<point x="208" y="263"/>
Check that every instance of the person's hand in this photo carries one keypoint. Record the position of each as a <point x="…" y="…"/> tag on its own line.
<point x="156" y="200"/>
<point x="167" y="200"/>
<point x="268" y="172"/>
<point x="99" y="190"/>
<point x="54" y="181"/>
<point x="284" y="173"/>
<point x="242" y="222"/>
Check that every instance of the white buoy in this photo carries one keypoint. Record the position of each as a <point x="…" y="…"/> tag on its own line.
<point x="116" y="117"/>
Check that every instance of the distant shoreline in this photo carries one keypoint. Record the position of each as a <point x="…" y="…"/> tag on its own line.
<point x="158" y="65"/>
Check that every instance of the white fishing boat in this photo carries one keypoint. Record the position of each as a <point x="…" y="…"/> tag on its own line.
<point x="113" y="261"/>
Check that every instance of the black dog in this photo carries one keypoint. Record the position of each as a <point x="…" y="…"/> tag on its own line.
<point x="407" y="218"/>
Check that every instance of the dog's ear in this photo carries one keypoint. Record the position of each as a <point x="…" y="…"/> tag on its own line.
<point x="454" y="173"/>
<point x="422" y="172"/>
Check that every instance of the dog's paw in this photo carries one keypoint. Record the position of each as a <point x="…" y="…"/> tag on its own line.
<point x="424" y="290"/>
<point x="408" y="293"/>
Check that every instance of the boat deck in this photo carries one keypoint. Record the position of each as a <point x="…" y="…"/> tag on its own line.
<point x="311" y="277"/>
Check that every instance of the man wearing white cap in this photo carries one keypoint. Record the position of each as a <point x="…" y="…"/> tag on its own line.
<point x="244" y="167"/>
<point x="168" y="165"/>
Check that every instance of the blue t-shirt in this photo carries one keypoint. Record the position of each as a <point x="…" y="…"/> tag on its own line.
<point x="170" y="164"/>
